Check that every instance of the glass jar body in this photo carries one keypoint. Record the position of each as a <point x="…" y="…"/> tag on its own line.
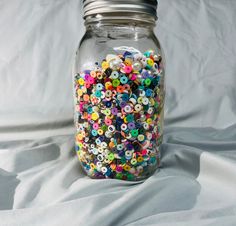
<point x="119" y="101"/>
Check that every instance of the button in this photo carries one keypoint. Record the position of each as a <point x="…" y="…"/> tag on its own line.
<point x="145" y="126"/>
<point x="140" y="159"/>
<point x="98" y="141"/>
<point x="133" y="161"/>
<point x="95" y="126"/>
<point x="120" y="147"/>
<point x="111" y="156"/>
<point x="111" y="128"/>
<point x="142" y="93"/>
<point x="120" y="89"/>
<point x="141" y="137"/>
<point x="100" y="132"/>
<point x="105" y="65"/>
<point x="104" y="127"/>
<point x="114" y="75"/>
<point x="138" y="107"/>
<point x="125" y="97"/>
<point x="137" y="66"/>
<point x="94" y="132"/>
<point x="145" y="101"/>
<point x="128" y="69"/>
<point x="130" y="118"/>
<point x="127" y="109"/>
<point x="150" y="110"/>
<point x="128" y="62"/>
<point x="99" y="164"/>
<point x="94" y="116"/>
<point x="108" y="134"/>
<point x="108" y="85"/>
<point x="93" y="74"/>
<point x="150" y="62"/>
<point x="95" y="151"/>
<point x="106" y="112"/>
<point x="104" y="169"/>
<point x="114" y="111"/>
<point x="134" y="133"/>
<point x="140" y="99"/>
<point x="149" y="121"/>
<point x="86" y="97"/>
<point x="108" y="122"/>
<point x="127" y="167"/>
<point x="98" y="93"/>
<point x="100" y="157"/>
<point x="90" y="110"/>
<point x="123" y="80"/>
<point x="131" y="125"/>
<point x="144" y="152"/>
<point x="103" y="144"/>
<point x="80" y="92"/>
<point x="148" y="92"/>
<point x="119" y="168"/>
<point x="81" y="81"/>
<point x="116" y="82"/>
<point x="99" y="86"/>
<point x="79" y="137"/>
<point x="124" y="127"/>
<point x="108" y="93"/>
<point x="147" y="81"/>
<point x="99" y="75"/>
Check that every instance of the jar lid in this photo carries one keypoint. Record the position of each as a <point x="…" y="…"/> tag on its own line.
<point x="92" y="7"/>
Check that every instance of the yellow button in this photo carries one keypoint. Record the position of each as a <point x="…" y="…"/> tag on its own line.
<point x="105" y="65"/>
<point x="150" y="62"/>
<point x="79" y="136"/>
<point x="128" y="62"/>
<point x="94" y="116"/>
<point x="79" y="92"/>
<point x="127" y="168"/>
<point x="149" y="120"/>
<point x="140" y="100"/>
<point x="81" y="81"/>
<point x="100" y="131"/>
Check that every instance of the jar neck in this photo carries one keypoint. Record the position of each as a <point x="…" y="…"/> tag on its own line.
<point x="125" y="21"/>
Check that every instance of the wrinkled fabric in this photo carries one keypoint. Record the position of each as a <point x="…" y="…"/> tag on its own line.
<point x="41" y="181"/>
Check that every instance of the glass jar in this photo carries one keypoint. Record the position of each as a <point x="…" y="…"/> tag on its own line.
<point x="119" y="90"/>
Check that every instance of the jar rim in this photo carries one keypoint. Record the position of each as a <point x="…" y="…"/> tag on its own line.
<point x="93" y="7"/>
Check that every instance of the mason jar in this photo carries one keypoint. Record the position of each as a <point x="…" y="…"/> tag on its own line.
<point x="119" y="90"/>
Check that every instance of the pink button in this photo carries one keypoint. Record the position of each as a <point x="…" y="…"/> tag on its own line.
<point x="95" y="126"/>
<point x="91" y="80"/>
<point x="108" y="122"/>
<point x="119" y="168"/>
<point x="133" y="77"/>
<point x="128" y="69"/>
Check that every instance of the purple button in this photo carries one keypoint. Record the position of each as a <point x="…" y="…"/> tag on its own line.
<point x="122" y="104"/>
<point x="131" y="125"/>
<point x="114" y="111"/>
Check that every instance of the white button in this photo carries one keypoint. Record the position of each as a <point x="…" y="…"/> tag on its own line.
<point x="123" y="126"/>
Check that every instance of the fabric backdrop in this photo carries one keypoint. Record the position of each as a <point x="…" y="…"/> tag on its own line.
<point x="41" y="182"/>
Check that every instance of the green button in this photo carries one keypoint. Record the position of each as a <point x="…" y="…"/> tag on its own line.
<point x="104" y="128"/>
<point x="116" y="82"/>
<point x="119" y="175"/>
<point x="130" y="177"/>
<point x="147" y="81"/>
<point x="111" y="156"/>
<point x="134" y="133"/>
<point x="130" y="118"/>
<point x="123" y="160"/>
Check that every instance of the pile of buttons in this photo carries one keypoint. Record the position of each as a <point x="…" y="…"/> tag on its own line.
<point x="118" y="116"/>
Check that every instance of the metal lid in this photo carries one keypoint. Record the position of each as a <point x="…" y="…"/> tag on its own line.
<point x="92" y="7"/>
